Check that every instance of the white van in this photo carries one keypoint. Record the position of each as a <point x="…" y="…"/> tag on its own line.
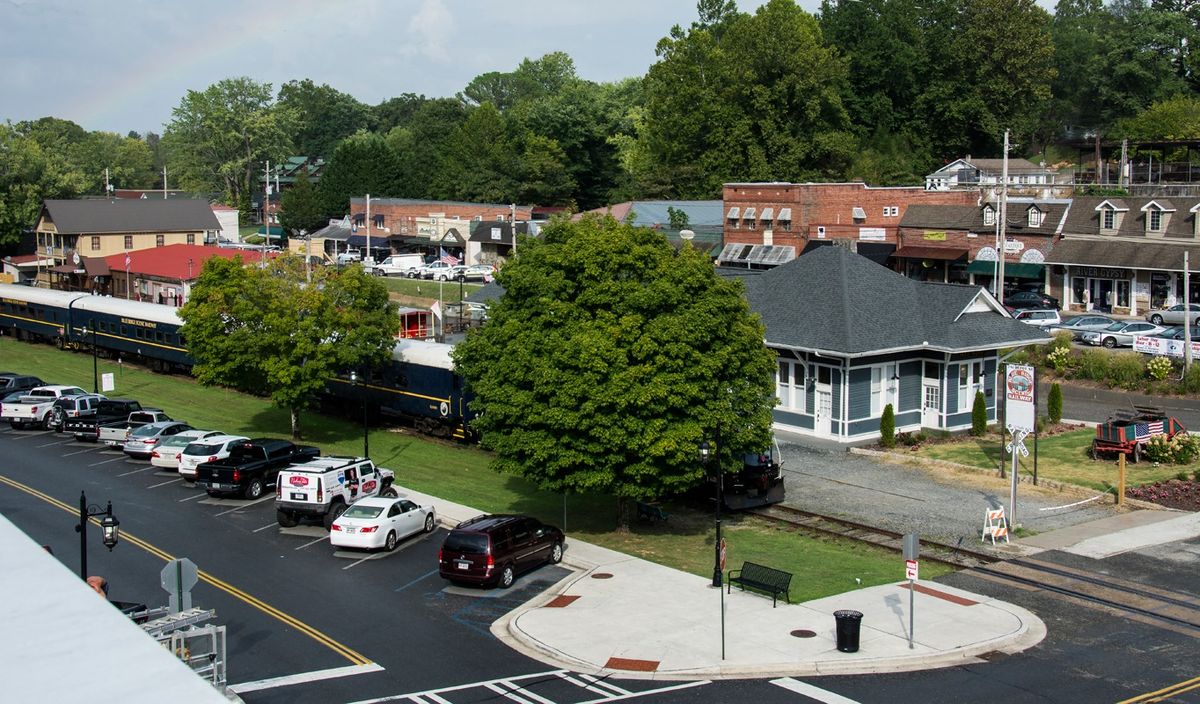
<point x="323" y="488"/>
<point x="399" y="264"/>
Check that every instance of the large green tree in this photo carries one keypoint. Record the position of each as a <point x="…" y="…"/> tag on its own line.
<point x="220" y="139"/>
<point x="301" y="207"/>
<point x="419" y="141"/>
<point x="263" y="330"/>
<point x="480" y="160"/>
<point x="326" y="116"/>
<point x="608" y="360"/>
<point x="29" y="174"/>
<point x="361" y="164"/>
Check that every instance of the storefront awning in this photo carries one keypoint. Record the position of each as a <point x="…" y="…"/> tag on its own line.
<point x="1012" y="270"/>
<point x="948" y="254"/>
<point x="96" y="266"/>
<point x="878" y="252"/>
<point x="1158" y="256"/>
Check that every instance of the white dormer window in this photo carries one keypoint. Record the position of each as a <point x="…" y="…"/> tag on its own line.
<point x="989" y="215"/>
<point x="1035" y="217"/>
<point x="1154" y="221"/>
<point x="1108" y="219"/>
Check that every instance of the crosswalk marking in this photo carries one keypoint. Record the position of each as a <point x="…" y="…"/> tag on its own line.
<point x="808" y="690"/>
<point x="517" y="689"/>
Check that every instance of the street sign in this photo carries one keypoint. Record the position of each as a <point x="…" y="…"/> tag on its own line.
<point x="912" y="546"/>
<point x="910" y="570"/>
<point x="107" y="383"/>
<point x="177" y="580"/>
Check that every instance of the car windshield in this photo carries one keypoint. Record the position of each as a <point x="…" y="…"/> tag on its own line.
<point x="466" y="542"/>
<point x="145" y="431"/>
<point x="1116" y="327"/>
<point x="198" y="448"/>
<point x="362" y="512"/>
<point x="176" y="441"/>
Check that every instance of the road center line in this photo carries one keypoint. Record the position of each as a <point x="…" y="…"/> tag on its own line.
<point x="313" y="542"/>
<point x="268" y="497"/>
<point x="808" y="690"/>
<point x="96" y="464"/>
<point x="303" y="677"/>
<point x="169" y="481"/>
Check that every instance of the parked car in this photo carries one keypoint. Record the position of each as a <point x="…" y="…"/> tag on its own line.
<point x="472" y="272"/>
<point x="438" y="271"/>
<point x="493" y="550"/>
<point x="467" y="310"/>
<point x="33" y="408"/>
<point x="1039" y="317"/>
<point x="143" y="440"/>
<point x="1120" y="334"/>
<point x="1174" y="315"/>
<point x="1030" y="299"/>
<point x="11" y="381"/>
<point x="117" y="432"/>
<point x="1083" y="323"/>
<point x="349" y="257"/>
<point x="322" y="488"/>
<point x="69" y="407"/>
<point x="377" y="522"/>
<point x="251" y="467"/>
<point x="110" y="410"/>
<point x="1177" y="333"/>
<point x="399" y="265"/>
<point x="166" y="454"/>
<point x="209" y="449"/>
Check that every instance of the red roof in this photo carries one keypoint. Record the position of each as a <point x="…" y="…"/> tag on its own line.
<point x="171" y="262"/>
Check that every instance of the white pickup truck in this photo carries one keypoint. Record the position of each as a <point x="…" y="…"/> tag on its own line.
<point x="34" y="407"/>
<point x="116" y="433"/>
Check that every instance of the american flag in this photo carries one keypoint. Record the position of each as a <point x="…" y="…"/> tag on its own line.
<point x="1141" y="431"/>
<point x="448" y="258"/>
<point x="1156" y="428"/>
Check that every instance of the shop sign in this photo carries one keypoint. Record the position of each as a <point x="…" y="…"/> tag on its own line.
<point x="872" y="234"/>
<point x="1160" y="346"/>
<point x="1100" y="272"/>
<point x="1013" y="246"/>
<point x="934" y="236"/>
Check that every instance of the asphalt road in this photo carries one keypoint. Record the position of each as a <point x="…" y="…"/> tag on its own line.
<point x="293" y="607"/>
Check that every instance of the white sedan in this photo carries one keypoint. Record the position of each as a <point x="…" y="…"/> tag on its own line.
<point x="166" y="453"/>
<point x="378" y="522"/>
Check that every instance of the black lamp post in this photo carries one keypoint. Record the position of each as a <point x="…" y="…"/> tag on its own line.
<point x="363" y="394"/>
<point x="110" y="529"/>
<point x="705" y="452"/>
<point x="461" y="303"/>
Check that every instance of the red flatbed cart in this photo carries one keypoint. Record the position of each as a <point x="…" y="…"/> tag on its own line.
<point x="1128" y="432"/>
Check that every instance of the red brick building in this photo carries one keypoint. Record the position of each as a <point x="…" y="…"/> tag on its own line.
<point x="792" y="215"/>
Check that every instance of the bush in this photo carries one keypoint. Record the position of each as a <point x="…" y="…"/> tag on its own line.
<point x="1062" y="340"/>
<point x="979" y="415"/>
<point x="887" y="427"/>
<point x="1054" y="403"/>
<point x="1126" y="370"/>
<point x="1191" y="380"/>
<point x="1158" y="368"/>
<point x="1093" y="364"/>
<point x="1059" y="358"/>
<point x="912" y="439"/>
<point x="1182" y="449"/>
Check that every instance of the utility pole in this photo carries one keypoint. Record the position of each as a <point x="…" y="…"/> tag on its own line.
<point x="1003" y="216"/>
<point x="265" y="219"/>
<point x="164" y="182"/>
<point x="368" y="253"/>
<point x="1124" y="164"/>
<point x="1187" y="316"/>
<point x="107" y="186"/>
<point x="512" y="209"/>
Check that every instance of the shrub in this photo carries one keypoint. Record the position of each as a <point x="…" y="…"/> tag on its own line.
<point x="1158" y="368"/>
<point x="979" y="415"/>
<point x="1021" y="356"/>
<point x="1062" y="340"/>
<point x="1054" y="403"/>
<point x="1182" y="449"/>
<point x="1126" y="370"/>
<point x="1158" y="449"/>
<point x="912" y="439"/>
<point x="887" y="427"/>
<point x="1191" y="380"/>
<point x="1093" y="364"/>
<point x="1059" y="358"/>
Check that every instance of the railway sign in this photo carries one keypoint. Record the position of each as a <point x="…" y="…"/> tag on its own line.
<point x="911" y="570"/>
<point x="1019" y="404"/>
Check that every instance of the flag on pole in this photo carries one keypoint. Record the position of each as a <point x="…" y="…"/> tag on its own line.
<point x="436" y="309"/>
<point x="447" y="257"/>
<point x="127" y="260"/>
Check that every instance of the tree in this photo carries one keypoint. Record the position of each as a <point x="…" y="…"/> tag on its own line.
<point x="677" y="218"/>
<point x="1054" y="405"/>
<point x="327" y="116"/>
<point x="479" y="161"/>
<point x="979" y="415"/>
<point x="301" y="207"/>
<point x="221" y="138"/>
<point x="419" y="143"/>
<point x="610" y="357"/>
<point x="887" y="427"/>
<point x="361" y="164"/>
<point x="1176" y="118"/>
<point x="29" y="174"/>
<point x="262" y="330"/>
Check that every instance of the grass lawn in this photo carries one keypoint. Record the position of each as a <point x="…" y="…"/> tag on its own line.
<point x="414" y="289"/>
<point x="461" y="474"/>
<point x="1063" y="457"/>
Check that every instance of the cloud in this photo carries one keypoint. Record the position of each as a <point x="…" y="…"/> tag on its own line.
<point x="429" y="31"/>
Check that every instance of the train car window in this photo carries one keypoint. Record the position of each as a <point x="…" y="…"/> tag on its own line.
<point x="159" y="336"/>
<point x="123" y="333"/>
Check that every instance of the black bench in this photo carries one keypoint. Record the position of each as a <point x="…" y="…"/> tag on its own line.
<point x="649" y="512"/>
<point x="767" y="579"/>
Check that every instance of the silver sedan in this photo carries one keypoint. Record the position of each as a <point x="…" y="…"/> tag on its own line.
<point x="1120" y="334"/>
<point x="1083" y="323"/>
<point x="1174" y="315"/>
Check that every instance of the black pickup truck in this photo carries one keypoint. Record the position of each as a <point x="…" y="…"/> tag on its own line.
<point x="112" y="410"/>
<point x="251" y="467"/>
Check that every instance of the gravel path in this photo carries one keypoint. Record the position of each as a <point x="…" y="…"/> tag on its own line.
<point x="934" y="503"/>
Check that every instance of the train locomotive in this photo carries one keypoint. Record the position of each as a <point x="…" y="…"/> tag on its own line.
<point x="418" y="384"/>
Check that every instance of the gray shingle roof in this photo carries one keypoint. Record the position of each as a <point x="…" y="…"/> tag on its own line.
<point x="1084" y="219"/>
<point x="73" y="217"/>
<point x="836" y="301"/>
<point x="970" y="217"/>
<point x="1164" y="256"/>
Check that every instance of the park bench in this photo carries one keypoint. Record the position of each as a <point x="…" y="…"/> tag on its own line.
<point x="767" y="579"/>
<point x="651" y="513"/>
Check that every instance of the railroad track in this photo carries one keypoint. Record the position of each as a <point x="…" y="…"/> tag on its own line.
<point x="1147" y="604"/>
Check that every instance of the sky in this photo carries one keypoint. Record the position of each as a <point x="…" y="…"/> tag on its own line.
<point x="123" y="65"/>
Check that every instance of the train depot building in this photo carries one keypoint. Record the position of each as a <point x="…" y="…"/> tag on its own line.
<point x="852" y="336"/>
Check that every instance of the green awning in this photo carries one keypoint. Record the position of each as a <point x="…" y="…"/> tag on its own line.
<point x="1011" y="270"/>
<point x="276" y="230"/>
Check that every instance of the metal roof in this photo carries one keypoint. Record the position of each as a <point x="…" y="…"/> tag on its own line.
<point x="74" y="217"/>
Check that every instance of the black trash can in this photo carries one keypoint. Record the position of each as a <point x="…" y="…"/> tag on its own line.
<point x="848" y="624"/>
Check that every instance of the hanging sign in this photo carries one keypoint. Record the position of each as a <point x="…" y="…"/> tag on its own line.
<point x="1019" y="412"/>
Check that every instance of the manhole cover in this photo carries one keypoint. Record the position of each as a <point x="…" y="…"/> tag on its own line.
<point x="802" y="633"/>
<point x="602" y="575"/>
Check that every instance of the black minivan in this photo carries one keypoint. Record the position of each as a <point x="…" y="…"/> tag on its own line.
<point x="493" y="550"/>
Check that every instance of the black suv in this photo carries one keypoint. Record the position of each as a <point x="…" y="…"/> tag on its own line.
<point x="10" y="382"/>
<point x="493" y="550"/>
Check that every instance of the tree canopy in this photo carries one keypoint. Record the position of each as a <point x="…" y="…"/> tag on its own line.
<point x="265" y="331"/>
<point x="610" y="357"/>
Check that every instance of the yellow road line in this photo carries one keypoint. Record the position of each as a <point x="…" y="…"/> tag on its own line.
<point x="1165" y="692"/>
<point x="348" y="653"/>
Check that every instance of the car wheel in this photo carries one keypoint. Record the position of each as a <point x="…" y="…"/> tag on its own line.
<point x="389" y="493"/>
<point x="556" y="554"/>
<point x="507" y="577"/>
<point x="286" y="519"/>
<point x="335" y="511"/>
<point x="254" y="489"/>
<point x="389" y="543"/>
<point x="55" y="420"/>
<point x="1156" y="319"/>
<point x="1109" y="342"/>
<point x="429" y="523"/>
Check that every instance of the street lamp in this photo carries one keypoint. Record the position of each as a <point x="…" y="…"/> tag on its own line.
<point x="110" y="529"/>
<point x="705" y="454"/>
<point x="363" y="394"/>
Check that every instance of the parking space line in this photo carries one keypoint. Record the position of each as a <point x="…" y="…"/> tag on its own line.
<point x="518" y="690"/>
<point x="382" y="555"/>
<point x="78" y="452"/>
<point x="372" y="556"/>
<point x="269" y="497"/>
<point x="507" y="694"/>
<point x="314" y="542"/>
<point x="23" y="436"/>
<point x="143" y="469"/>
<point x="56" y="442"/>
<point x="96" y="464"/>
<point x="269" y="525"/>
<point x="418" y="579"/>
<point x="191" y="498"/>
<point x="304" y="677"/>
<point x="169" y="481"/>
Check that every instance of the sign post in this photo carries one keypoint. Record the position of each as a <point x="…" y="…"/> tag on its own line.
<point x="1020" y="417"/>
<point x="912" y="555"/>
<point x="177" y="580"/>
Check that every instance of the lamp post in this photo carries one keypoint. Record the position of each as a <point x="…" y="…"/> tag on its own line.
<point x="109" y="527"/>
<point x="363" y="394"/>
<point x="705" y="453"/>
